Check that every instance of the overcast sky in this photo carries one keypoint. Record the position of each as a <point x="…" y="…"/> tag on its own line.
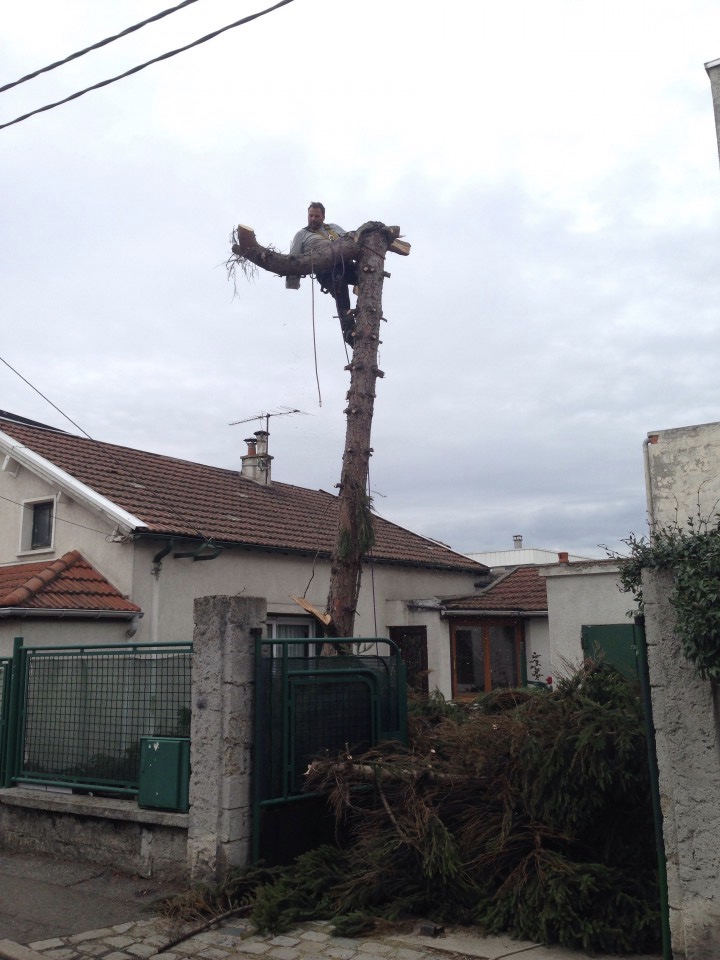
<point x="554" y="166"/>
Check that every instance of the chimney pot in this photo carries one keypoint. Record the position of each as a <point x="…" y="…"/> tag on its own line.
<point x="517" y="541"/>
<point x="250" y="441"/>
<point x="563" y="557"/>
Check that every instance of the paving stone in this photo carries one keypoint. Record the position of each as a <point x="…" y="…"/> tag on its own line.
<point x="283" y="953"/>
<point x="339" y="953"/>
<point x="120" y="942"/>
<point x="315" y="936"/>
<point x="90" y="935"/>
<point x="124" y="927"/>
<point x="372" y="955"/>
<point x="142" y="949"/>
<point x="92" y="948"/>
<point x="118" y="955"/>
<point x="255" y="948"/>
<point x="62" y="953"/>
<point x="284" y="941"/>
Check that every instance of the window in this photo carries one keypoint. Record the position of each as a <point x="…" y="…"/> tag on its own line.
<point x="485" y="655"/>
<point x="286" y="628"/>
<point x="37" y="525"/>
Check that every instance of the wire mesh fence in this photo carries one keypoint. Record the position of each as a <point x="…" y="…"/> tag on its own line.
<point x="84" y="710"/>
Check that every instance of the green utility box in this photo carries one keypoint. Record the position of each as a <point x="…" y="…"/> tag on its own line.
<point x="164" y="773"/>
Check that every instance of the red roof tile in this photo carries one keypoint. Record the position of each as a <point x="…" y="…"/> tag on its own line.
<point x="69" y="583"/>
<point x="179" y="498"/>
<point x="521" y="590"/>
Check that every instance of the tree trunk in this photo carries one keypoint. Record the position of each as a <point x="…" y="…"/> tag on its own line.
<point x="355" y="534"/>
<point x="368" y="246"/>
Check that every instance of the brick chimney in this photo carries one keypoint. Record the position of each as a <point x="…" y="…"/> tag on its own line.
<point x="257" y="462"/>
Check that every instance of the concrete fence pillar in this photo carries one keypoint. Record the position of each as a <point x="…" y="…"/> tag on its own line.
<point x="688" y="752"/>
<point x="220" y="819"/>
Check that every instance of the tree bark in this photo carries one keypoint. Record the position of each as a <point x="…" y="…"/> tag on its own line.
<point x="368" y="246"/>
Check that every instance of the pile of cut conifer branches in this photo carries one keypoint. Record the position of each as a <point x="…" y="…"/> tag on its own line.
<point x="527" y="813"/>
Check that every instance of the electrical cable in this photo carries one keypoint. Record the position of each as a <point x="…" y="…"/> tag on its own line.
<point x="164" y="56"/>
<point x="58" y="519"/>
<point x="95" y="46"/>
<point x="169" y="504"/>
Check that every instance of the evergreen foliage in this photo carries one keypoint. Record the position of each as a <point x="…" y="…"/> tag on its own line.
<point x="529" y="814"/>
<point x="692" y="555"/>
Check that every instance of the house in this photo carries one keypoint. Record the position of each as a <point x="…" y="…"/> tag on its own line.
<point x="582" y="594"/>
<point x="64" y="599"/>
<point x="520" y="556"/>
<point x="158" y="532"/>
<point x="497" y="634"/>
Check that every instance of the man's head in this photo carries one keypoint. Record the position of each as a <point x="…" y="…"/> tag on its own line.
<point x="316" y="215"/>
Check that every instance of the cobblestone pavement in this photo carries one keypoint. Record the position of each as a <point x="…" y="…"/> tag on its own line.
<point x="149" y="938"/>
<point x="236" y="940"/>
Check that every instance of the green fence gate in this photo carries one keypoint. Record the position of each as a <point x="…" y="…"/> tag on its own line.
<point x="308" y="706"/>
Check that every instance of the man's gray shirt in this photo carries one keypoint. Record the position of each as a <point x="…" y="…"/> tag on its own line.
<point x="306" y="240"/>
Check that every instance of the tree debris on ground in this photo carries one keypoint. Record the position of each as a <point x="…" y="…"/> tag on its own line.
<point x="527" y="813"/>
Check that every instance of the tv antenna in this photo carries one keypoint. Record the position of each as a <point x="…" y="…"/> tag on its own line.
<point x="282" y="412"/>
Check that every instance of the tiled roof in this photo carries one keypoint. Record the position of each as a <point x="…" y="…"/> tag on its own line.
<point x="69" y="583"/>
<point x="179" y="498"/>
<point x="522" y="590"/>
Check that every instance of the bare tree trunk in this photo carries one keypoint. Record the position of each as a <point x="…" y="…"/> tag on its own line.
<point x="355" y="526"/>
<point x="355" y="534"/>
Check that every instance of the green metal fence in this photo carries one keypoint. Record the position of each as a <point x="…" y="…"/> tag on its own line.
<point x="310" y="706"/>
<point x="76" y="714"/>
<point x="5" y="677"/>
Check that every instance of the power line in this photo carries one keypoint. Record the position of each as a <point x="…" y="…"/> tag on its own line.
<point x="169" y="504"/>
<point x="164" y="56"/>
<point x="71" y="523"/>
<point x="95" y="46"/>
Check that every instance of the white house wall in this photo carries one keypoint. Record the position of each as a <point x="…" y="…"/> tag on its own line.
<point x="537" y="640"/>
<point x="167" y="600"/>
<point x="587" y="594"/>
<point x="43" y="632"/>
<point x="75" y="528"/>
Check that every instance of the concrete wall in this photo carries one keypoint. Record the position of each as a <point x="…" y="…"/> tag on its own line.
<point x="216" y="833"/>
<point x="44" y="632"/>
<point x="221" y="734"/>
<point x="578" y="594"/>
<point x="110" y="833"/>
<point x="682" y="473"/>
<point x="688" y="750"/>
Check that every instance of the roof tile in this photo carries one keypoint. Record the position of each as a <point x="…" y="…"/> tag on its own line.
<point x="69" y="583"/>
<point x="179" y="498"/>
<point x="521" y="590"/>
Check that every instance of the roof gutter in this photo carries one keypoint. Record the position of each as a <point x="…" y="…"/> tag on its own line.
<point x="125" y="522"/>
<point x="444" y="614"/>
<point x="25" y="613"/>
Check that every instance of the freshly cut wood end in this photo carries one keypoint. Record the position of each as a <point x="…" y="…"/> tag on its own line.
<point x="400" y="246"/>
<point x="244" y="228"/>
<point x="320" y="615"/>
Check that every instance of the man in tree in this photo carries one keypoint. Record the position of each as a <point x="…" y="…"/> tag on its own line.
<point x="343" y="274"/>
